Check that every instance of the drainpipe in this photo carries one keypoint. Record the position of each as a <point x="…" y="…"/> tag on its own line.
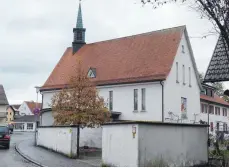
<point x="162" y="102"/>
<point x="208" y="110"/>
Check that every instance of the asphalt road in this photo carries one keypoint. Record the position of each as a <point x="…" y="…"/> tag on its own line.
<point x="10" y="158"/>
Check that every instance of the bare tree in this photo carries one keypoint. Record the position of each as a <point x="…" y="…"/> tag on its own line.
<point x="215" y="11"/>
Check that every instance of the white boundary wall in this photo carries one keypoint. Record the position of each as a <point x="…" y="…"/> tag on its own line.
<point x="64" y="139"/>
<point x="176" y="144"/>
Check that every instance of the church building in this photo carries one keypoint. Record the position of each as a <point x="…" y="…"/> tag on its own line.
<point x="150" y="76"/>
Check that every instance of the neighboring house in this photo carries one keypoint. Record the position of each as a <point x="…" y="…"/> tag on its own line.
<point x="142" y="77"/>
<point x="12" y="110"/>
<point x="3" y="105"/>
<point x="218" y="67"/>
<point x="217" y="108"/>
<point x="25" y="123"/>
<point x="27" y="107"/>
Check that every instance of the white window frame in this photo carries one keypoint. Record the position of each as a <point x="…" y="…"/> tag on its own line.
<point x="135" y="99"/>
<point x="28" y="126"/>
<point x="183" y="48"/>
<point x="224" y="111"/>
<point x="183" y="71"/>
<point x="190" y="76"/>
<point x="143" y="94"/>
<point x="111" y="100"/>
<point x="177" y="72"/>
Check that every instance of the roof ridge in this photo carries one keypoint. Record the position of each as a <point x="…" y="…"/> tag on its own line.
<point x="134" y="35"/>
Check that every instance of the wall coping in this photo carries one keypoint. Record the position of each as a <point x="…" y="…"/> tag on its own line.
<point x="59" y="126"/>
<point x="156" y="123"/>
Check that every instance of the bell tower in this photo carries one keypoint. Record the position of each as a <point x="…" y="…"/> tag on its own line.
<point x="79" y="32"/>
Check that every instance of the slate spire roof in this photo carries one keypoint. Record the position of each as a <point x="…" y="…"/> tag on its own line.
<point x="3" y="98"/>
<point x="79" y="23"/>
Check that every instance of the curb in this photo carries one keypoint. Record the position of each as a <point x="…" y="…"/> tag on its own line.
<point x="41" y="165"/>
<point x="27" y="157"/>
<point x="90" y="164"/>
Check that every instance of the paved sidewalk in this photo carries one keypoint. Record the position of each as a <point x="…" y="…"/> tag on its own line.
<point x="47" y="158"/>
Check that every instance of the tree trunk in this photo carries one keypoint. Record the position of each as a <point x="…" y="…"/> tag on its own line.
<point x="78" y="141"/>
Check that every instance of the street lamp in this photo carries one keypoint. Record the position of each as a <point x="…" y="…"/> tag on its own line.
<point x="37" y="90"/>
<point x="36" y="113"/>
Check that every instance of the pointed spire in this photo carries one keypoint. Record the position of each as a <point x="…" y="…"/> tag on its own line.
<point x="79" y="32"/>
<point x="79" y="23"/>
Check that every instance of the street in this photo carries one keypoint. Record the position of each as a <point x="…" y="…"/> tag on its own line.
<point x="10" y="158"/>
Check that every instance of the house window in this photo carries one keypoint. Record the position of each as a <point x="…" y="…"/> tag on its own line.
<point x="224" y="112"/>
<point x="110" y="100"/>
<point x="225" y="127"/>
<point x="91" y="73"/>
<point x="217" y="126"/>
<point x="209" y="92"/>
<point x="211" y="109"/>
<point x="177" y="73"/>
<point x="143" y="99"/>
<point x="189" y="74"/>
<point x="205" y="91"/>
<point x="217" y="111"/>
<point x="183" y="74"/>
<point x="19" y="126"/>
<point x="211" y="126"/>
<point x="183" y="51"/>
<point x="204" y="108"/>
<point x="135" y="99"/>
<point x="29" y="126"/>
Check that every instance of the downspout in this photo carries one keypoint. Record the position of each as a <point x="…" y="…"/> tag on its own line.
<point x="41" y="109"/>
<point x="162" y="102"/>
<point x="208" y="110"/>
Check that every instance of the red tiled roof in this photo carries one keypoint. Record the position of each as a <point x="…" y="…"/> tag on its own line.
<point x="32" y="105"/>
<point x="215" y="99"/>
<point x="144" y="57"/>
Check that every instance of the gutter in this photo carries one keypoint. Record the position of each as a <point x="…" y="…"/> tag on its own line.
<point x="162" y="102"/>
<point x="104" y="84"/>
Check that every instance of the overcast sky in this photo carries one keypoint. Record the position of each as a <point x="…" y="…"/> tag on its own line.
<point x="35" y="33"/>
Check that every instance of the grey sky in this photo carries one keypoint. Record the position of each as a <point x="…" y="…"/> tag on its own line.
<point x="35" y="33"/>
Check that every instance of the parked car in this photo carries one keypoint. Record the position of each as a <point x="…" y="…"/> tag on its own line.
<point x="4" y="137"/>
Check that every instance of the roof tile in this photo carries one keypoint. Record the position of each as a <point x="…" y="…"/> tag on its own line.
<point x="215" y="99"/>
<point x="144" y="57"/>
<point x="32" y="105"/>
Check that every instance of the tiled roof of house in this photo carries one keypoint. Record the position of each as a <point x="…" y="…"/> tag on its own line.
<point x="218" y="68"/>
<point x="32" y="105"/>
<point x="26" y="118"/>
<point x="143" y="57"/>
<point x="215" y="99"/>
<point x="16" y="106"/>
<point x="3" y="98"/>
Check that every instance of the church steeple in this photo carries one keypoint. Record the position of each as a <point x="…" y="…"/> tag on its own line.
<point x="79" y="23"/>
<point x="79" y="32"/>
